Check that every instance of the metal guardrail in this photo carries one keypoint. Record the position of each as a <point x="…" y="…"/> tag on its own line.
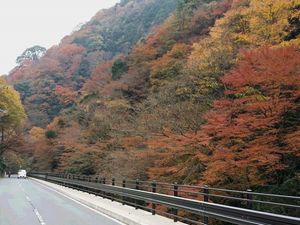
<point x="136" y="196"/>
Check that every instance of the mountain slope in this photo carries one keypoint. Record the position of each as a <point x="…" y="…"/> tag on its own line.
<point x="111" y="32"/>
<point x="209" y="96"/>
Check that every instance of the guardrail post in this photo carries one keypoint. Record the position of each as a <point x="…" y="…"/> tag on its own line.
<point x="100" y="180"/>
<point x="96" y="179"/>
<point x="104" y="180"/>
<point x="175" y="211"/>
<point x="154" y="191"/>
<point x="206" y="199"/>
<point x="123" y="185"/>
<point x="113" y="184"/>
<point x="137" y="184"/>
<point x="90" y="179"/>
<point x="137" y="187"/>
<point x="46" y="178"/>
<point x="249" y="199"/>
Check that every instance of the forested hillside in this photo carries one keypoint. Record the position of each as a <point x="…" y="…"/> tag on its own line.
<point x="198" y="92"/>
<point x="51" y="84"/>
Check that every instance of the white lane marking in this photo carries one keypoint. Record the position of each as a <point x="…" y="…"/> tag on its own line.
<point x="28" y="199"/>
<point x="36" y="212"/>
<point x="94" y="210"/>
<point x="39" y="217"/>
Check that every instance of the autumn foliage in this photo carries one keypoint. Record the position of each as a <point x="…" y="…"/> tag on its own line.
<point x="198" y="93"/>
<point x="248" y="129"/>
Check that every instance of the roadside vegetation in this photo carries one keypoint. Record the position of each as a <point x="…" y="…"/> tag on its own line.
<point x="197" y="92"/>
<point x="12" y="115"/>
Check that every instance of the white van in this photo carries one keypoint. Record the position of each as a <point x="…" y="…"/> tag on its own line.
<point x="22" y="174"/>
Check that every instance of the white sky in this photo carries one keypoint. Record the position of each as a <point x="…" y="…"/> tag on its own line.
<point x="25" y="23"/>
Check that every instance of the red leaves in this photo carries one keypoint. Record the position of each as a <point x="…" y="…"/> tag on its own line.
<point x="264" y="86"/>
<point x="70" y="50"/>
<point x="101" y="76"/>
<point x="265" y="66"/>
<point x="244" y="142"/>
<point x="66" y="94"/>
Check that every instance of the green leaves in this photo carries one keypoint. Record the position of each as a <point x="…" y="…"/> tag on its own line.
<point x="31" y="54"/>
<point x="51" y="134"/>
<point x="118" y="69"/>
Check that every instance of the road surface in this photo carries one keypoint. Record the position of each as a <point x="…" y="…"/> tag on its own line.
<point x="27" y="202"/>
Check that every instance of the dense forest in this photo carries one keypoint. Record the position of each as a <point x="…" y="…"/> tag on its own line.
<point x="192" y="91"/>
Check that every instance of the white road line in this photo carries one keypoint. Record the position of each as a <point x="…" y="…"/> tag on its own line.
<point x="36" y="212"/>
<point x="28" y="199"/>
<point x="96" y="211"/>
<point x="39" y="217"/>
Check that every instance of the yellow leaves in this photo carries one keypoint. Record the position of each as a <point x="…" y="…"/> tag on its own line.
<point x="37" y="133"/>
<point x="118" y="103"/>
<point x="259" y="23"/>
<point x="170" y="64"/>
<point x="210" y="58"/>
<point x="269" y="20"/>
<point x="269" y="10"/>
<point x="294" y="42"/>
<point x="249" y="23"/>
<point x="11" y="103"/>
<point x="231" y="27"/>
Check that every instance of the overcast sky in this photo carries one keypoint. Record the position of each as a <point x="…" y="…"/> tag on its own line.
<point x="25" y="23"/>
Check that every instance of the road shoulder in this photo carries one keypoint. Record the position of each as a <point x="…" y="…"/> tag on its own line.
<point x="125" y="214"/>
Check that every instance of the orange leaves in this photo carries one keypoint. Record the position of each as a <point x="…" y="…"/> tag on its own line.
<point x="69" y="50"/>
<point x="101" y="75"/>
<point x="249" y="134"/>
<point x="266" y="66"/>
<point x="66" y="94"/>
<point x="170" y="64"/>
<point x="263" y="87"/>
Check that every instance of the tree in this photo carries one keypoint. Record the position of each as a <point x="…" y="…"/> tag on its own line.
<point x="271" y="21"/>
<point x="184" y="12"/>
<point x="118" y="69"/>
<point x="51" y="134"/>
<point x="31" y="54"/>
<point x="249" y="131"/>
<point x="11" y="116"/>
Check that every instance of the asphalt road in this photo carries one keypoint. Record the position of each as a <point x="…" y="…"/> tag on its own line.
<point x="26" y="202"/>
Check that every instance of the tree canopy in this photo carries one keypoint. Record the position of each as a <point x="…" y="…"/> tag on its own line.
<point x="11" y="117"/>
<point x="31" y="54"/>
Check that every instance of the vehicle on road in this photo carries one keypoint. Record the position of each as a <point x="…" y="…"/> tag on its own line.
<point x="22" y="174"/>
